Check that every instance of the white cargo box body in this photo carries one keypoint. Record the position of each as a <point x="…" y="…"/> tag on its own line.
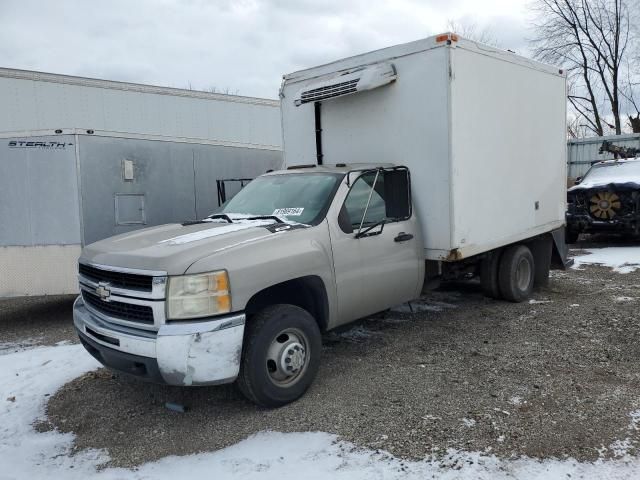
<point x="482" y="131"/>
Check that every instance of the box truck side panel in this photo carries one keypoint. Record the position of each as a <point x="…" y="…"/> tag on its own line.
<point x="508" y="150"/>
<point x="298" y="130"/>
<point x="404" y="123"/>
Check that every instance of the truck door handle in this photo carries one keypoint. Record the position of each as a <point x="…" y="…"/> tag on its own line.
<point x="403" y="237"/>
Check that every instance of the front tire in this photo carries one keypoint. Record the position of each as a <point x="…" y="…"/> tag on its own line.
<point x="281" y="355"/>
<point x="517" y="273"/>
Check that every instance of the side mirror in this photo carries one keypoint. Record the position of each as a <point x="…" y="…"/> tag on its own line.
<point x="577" y="180"/>
<point x="397" y="193"/>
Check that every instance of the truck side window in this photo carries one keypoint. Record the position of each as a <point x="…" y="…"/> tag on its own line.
<point x="356" y="200"/>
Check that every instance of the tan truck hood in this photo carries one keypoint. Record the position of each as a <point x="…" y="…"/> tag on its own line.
<point x="174" y="247"/>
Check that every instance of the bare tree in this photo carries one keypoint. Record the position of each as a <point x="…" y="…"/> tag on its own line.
<point x="576" y="128"/>
<point x="629" y="94"/>
<point x="214" y="89"/>
<point x="631" y="90"/>
<point x="471" y="31"/>
<point x="590" y="38"/>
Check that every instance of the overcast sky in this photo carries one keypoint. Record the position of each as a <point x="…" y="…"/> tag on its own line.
<point x="244" y="45"/>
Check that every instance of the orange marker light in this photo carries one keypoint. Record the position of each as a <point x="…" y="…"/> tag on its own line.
<point x="222" y="281"/>
<point x="224" y="303"/>
<point x="443" y="37"/>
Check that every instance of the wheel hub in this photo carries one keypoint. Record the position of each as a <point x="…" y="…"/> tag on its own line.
<point x="523" y="274"/>
<point x="292" y="357"/>
<point x="287" y="357"/>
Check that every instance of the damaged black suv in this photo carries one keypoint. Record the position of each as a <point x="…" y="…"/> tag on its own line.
<point x="606" y="199"/>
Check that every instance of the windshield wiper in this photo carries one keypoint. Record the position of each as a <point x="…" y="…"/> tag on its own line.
<point x="222" y="216"/>
<point x="266" y="217"/>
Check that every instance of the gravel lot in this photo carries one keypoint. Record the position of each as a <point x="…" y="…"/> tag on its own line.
<point x="35" y="321"/>
<point x="553" y="378"/>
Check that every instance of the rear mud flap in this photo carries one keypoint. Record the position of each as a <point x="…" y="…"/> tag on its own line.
<point x="560" y="258"/>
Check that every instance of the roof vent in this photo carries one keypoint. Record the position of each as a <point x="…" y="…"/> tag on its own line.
<point x="354" y="81"/>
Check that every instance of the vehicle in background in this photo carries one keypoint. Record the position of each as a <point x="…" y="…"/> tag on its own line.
<point x="607" y="197"/>
<point x="398" y="172"/>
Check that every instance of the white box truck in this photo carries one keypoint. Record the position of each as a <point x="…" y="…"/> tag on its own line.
<point x="439" y="156"/>
<point x="481" y="130"/>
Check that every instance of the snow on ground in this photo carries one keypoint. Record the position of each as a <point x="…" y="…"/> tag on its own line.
<point x="623" y="299"/>
<point x="26" y="378"/>
<point x="357" y="334"/>
<point x="13" y="347"/>
<point x="621" y="259"/>
<point x="533" y="301"/>
<point x="422" y="305"/>
<point x="469" y="422"/>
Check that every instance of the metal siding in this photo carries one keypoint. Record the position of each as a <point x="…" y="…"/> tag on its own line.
<point x="39" y="193"/>
<point x="44" y="101"/>
<point x="163" y="174"/>
<point x="178" y="180"/>
<point x="581" y="152"/>
<point x="38" y="270"/>
<point x="213" y="163"/>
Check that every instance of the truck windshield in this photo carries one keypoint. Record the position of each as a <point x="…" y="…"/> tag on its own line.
<point x="301" y="198"/>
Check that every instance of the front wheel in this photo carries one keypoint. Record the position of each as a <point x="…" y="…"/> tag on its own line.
<point x="281" y="355"/>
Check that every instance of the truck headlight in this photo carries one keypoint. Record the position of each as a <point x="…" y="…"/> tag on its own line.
<point x="200" y="295"/>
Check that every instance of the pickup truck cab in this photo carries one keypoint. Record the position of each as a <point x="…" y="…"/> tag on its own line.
<point x="245" y="294"/>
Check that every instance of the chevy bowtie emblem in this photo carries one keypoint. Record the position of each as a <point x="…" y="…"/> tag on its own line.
<point x="103" y="291"/>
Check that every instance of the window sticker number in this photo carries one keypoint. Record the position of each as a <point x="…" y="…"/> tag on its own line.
<point x="288" y="212"/>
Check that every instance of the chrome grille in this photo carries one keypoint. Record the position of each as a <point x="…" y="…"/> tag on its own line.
<point x="122" y="311"/>
<point x="125" y="280"/>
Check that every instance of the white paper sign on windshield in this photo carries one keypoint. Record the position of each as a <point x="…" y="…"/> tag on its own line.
<point x="288" y="212"/>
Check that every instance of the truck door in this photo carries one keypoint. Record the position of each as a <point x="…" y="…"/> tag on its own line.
<point x="377" y="250"/>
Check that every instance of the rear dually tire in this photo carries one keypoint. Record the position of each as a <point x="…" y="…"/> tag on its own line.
<point x="516" y="273"/>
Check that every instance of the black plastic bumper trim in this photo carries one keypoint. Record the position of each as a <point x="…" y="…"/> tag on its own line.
<point x="144" y="368"/>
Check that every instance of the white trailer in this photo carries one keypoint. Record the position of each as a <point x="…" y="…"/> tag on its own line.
<point x="482" y="131"/>
<point x="84" y="159"/>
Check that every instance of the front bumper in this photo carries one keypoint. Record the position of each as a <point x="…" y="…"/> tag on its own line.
<point x="185" y="353"/>
<point x="583" y="222"/>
